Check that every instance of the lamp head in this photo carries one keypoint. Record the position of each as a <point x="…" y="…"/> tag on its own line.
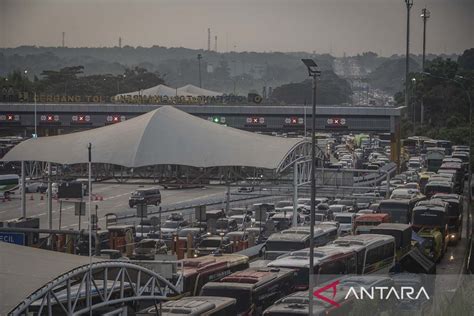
<point x="312" y="67"/>
<point x="425" y="13"/>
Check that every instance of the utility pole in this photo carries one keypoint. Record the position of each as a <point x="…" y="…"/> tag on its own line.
<point x="63" y="42"/>
<point x="199" y="57"/>
<point x="120" y="42"/>
<point x="208" y="39"/>
<point x="409" y="4"/>
<point x="313" y="72"/>
<point x="425" y="15"/>
<point x="215" y="43"/>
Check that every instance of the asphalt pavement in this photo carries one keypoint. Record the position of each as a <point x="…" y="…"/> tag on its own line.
<point x="110" y="198"/>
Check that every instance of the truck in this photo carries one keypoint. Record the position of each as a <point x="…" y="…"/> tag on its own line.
<point x="432" y="215"/>
<point x="433" y="245"/>
<point x="434" y="158"/>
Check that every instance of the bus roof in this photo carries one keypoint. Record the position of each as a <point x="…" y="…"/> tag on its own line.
<point x="448" y="197"/>
<point x="300" y="258"/>
<point x="297" y="236"/>
<point x="251" y="277"/>
<point x="193" y="306"/>
<point x="395" y="201"/>
<point x="365" y="240"/>
<point x="393" y="226"/>
<point x="372" y="217"/>
<point x="319" y="229"/>
<point x="194" y="265"/>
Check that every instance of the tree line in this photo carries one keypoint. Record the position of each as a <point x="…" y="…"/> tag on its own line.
<point x="444" y="88"/>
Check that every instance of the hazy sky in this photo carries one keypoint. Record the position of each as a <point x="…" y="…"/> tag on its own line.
<point x="336" y="26"/>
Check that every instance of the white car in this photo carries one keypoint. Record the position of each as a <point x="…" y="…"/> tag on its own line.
<point x="345" y="221"/>
<point x="338" y="208"/>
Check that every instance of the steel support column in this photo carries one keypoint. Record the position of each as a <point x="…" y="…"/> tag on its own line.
<point x="23" y="190"/>
<point x="295" y="195"/>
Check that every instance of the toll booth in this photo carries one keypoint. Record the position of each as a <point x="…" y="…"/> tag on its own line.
<point x="119" y="235"/>
<point x="25" y="239"/>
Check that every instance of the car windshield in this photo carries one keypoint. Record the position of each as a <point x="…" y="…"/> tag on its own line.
<point x="222" y="224"/>
<point x="398" y="212"/>
<point x="283" y="204"/>
<point x="210" y="243"/>
<point x="148" y="244"/>
<point x="239" y="220"/>
<point x="343" y="219"/>
<point x="185" y="233"/>
<point x="170" y="225"/>
<point x="138" y="194"/>
<point x="433" y="189"/>
<point x="428" y="218"/>
<point x="144" y="229"/>
<point x="279" y="245"/>
<point x="429" y="242"/>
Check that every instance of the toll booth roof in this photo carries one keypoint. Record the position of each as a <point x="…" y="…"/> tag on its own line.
<point x="23" y="270"/>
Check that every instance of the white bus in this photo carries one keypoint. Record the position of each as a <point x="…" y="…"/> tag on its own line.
<point x="329" y="262"/>
<point x="375" y="253"/>
<point x="298" y="238"/>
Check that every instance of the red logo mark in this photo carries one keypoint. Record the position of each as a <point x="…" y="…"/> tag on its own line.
<point x="333" y="285"/>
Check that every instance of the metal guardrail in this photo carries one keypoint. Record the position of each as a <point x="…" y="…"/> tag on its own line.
<point x="218" y="201"/>
<point x="272" y="194"/>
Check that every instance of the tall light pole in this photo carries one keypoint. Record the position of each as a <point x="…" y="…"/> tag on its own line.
<point x="313" y="72"/>
<point x="409" y="4"/>
<point x="199" y="57"/>
<point x="413" y="101"/>
<point x="425" y="15"/>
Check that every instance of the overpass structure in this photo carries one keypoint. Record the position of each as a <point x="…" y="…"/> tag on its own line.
<point x="53" y="119"/>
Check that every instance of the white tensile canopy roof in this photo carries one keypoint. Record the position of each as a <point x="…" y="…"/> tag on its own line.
<point x="160" y="89"/>
<point x="163" y="136"/>
<point x="193" y="90"/>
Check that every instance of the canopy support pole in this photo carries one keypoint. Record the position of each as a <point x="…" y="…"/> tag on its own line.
<point x="23" y="190"/>
<point x="295" y="195"/>
<point x="50" y="202"/>
<point x="227" y="195"/>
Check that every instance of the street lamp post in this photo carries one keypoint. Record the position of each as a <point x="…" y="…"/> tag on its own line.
<point x="313" y="72"/>
<point x="199" y="57"/>
<point x="413" y="102"/>
<point x="409" y="4"/>
<point x="425" y="15"/>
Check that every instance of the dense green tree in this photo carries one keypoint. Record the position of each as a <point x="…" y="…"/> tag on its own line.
<point x="466" y="60"/>
<point x="330" y="90"/>
<point x="444" y="89"/>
